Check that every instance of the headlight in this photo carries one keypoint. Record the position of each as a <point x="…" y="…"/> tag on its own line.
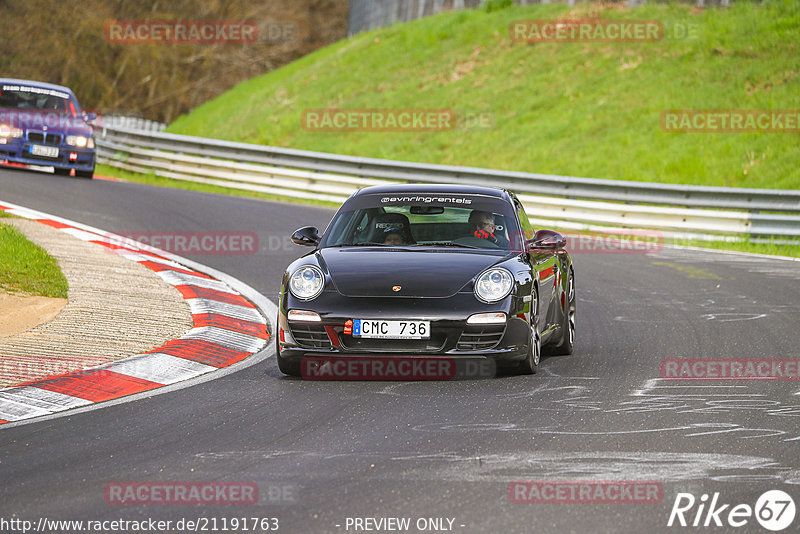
<point x="77" y="140"/>
<point x="493" y="284"/>
<point x="306" y="282"/>
<point x="9" y="131"/>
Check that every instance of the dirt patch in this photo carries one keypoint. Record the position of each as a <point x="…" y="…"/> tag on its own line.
<point x="20" y="313"/>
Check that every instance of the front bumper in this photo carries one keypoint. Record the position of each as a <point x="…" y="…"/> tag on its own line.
<point x="450" y="334"/>
<point x="69" y="157"/>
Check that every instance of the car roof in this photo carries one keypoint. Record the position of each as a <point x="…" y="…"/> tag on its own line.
<point x="32" y="83"/>
<point x="406" y="189"/>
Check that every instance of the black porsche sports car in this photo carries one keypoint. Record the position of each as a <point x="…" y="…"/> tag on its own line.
<point x="410" y="270"/>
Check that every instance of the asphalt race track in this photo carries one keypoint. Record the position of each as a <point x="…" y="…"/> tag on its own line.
<point x="323" y="452"/>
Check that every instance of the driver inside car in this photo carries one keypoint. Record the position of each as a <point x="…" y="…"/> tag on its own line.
<point x="481" y="225"/>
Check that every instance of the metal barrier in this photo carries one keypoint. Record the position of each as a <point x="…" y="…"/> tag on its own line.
<point x="578" y="203"/>
<point x="136" y="123"/>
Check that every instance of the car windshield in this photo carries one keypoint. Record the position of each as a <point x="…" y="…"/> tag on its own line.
<point x="25" y="97"/>
<point x="424" y="220"/>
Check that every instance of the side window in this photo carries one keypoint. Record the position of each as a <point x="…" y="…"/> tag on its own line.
<point x="527" y="229"/>
<point x="518" y="240"/>
<point x="362" y="230"/>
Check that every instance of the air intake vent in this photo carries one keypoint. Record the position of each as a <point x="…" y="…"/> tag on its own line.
<point x="310" y="336"/>
<point x="480" y="337"/>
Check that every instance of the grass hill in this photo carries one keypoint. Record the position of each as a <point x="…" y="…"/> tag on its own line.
<point x="581" y="109"/>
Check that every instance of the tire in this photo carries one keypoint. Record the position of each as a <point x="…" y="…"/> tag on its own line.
<point x="84" y="174"/>
<point x="530" y="364"/>
<point x="286" y="366"/>
<point x="60" y="171"/>
<point x="567" y="343"/>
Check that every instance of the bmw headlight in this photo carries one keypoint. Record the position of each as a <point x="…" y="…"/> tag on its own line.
<point x="9" y="131"/>
<point x="493" y="284"/>
<point x="77" y="140"/>
<point x="306" y="283"/>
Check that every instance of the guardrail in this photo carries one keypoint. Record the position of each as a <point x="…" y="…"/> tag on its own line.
<point x="135" y="123"/>
<point x="578" y="203"/>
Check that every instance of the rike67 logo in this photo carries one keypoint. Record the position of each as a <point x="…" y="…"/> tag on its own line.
<point x="774" y="510"/>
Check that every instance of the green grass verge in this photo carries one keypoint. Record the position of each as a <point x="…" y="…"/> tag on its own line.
<point x="773" y="249"/>
<point x="26" y="268"/>
<point x="580" y="109"/>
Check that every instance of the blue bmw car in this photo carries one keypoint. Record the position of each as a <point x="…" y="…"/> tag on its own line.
<point x="43" y="124"/>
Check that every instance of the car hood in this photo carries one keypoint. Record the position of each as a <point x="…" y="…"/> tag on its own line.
<point x="371" y="272"/>
<point x="34" y="119"/>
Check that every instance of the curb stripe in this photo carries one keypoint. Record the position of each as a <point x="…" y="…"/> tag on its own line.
<point x="159" y="367"/>
<point x="223" y="308"/>
<point x="227" y="329"/>
<point x="190" y="292"/>
<point x="139" y="257"/>
<point x="41" y="398"/>
<point x="226" y="338"/>
<point x="95" y="385"/>
<point x="158" y="267"/>
<point x="179" y="279"/>
<point x="11" y="410"/>
<point x="202" y="351"/>
<point x="83" y="235"/>
<point x="55" y="224"/>
<point x="237" y="325"/>
<point x="121" y="249"/>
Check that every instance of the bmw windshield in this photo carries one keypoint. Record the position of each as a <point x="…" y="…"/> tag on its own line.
<point x="37" y="99"/>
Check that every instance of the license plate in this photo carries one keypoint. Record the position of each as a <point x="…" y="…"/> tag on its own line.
<point x="44" y="151"/>
<point x="370" y="328"/>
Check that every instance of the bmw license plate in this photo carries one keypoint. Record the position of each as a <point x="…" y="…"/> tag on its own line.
<point x="369" y="328"/>
<point x="44" y="151"/>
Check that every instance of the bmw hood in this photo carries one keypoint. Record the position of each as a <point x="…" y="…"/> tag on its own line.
<point x="367" y="272"/>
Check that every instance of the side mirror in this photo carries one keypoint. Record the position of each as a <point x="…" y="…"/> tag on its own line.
<point x="308" y="236"/>
<point x="546" y="240"/>
<point x="89" y="116"/>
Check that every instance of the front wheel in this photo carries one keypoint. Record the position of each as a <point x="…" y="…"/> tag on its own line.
<point x="567" y="343"/>
<point x="530" y="364"/>
<point x="286" y="366"/>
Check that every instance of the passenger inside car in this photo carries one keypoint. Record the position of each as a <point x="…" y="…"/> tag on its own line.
<point x="393" y="237"/>
<point x="385" y="223"/>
